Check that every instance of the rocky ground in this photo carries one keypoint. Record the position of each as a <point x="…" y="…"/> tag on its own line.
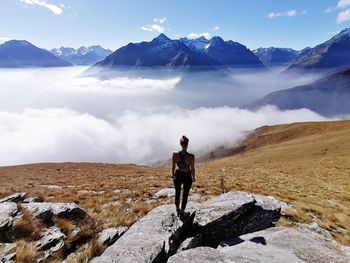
<point x="233" y="227"/>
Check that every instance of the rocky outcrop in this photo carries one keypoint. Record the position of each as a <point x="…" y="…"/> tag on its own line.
<point x="44" y="211"/>
<point x="7" y="212"/>
<point x="158" y="235"/>
<point x="53" y="228"/>
<point x="16" y="197"/>
<point x="307" y="243"/>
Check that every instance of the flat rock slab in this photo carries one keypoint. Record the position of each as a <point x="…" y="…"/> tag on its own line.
<point x="146" y="240"/>
<point x="280" y="244"/>
<point x="44" y="211"/>
<point x="273" y="245"/>
<point x="16" y="197"/>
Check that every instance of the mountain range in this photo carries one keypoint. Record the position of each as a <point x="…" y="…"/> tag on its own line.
<point x="165" y="52"/>
<point x="21" y="53"/>
<point x="328" y="96"/>
<point x="83" y="55"/>
<point x="330" y="55"/>
<point x="273" y="56"/>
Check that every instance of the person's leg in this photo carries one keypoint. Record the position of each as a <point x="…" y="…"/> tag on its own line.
<point x="187" y="187"/>
<point x="177" y="184"/>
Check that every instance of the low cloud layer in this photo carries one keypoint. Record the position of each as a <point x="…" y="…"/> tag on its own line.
<point x="61" y="134"/>
<point x="55" y="115"/>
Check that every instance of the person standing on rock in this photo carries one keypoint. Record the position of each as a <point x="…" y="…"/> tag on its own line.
<point x="184" y="174"/>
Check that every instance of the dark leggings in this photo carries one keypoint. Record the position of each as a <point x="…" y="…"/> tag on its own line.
<point x="185" y="179"/>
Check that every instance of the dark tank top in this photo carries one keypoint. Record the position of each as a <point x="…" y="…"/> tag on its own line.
<point x="181" y="164"/>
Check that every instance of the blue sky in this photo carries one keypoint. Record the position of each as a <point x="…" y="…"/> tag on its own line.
<point x="114" y="23"/>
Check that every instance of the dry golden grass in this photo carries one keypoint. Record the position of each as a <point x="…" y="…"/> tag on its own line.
<point x="304" y="164"/>
<point x="25" y="252"/>
<point x="27" y="228"/>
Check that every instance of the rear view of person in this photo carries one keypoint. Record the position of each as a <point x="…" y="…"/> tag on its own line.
<point x="184" y="174"/>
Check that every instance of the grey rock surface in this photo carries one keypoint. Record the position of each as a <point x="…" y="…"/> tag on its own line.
<point x="201" y="255"/>
<point x="280" y="244"/>
<point x="110" y="235"/>
<point x="307" y="244"/>
<point x="7" y="252"/>
<point x="147" y="240"/>
<point x="50" y="238"/>
<point x="7" y="212"/>
<point x="233" y="214"/>
<point x="160" y="233"/>
<point x="44" y="211"/>
<point x="14" y="197"/>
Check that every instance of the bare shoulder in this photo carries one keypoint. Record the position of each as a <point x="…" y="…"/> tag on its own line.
<point x="191" y="155"/>
<point x="175" y="154"/>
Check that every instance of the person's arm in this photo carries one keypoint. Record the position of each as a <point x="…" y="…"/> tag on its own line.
<point x="173" y="166"/>
<point x="193" y="170"/>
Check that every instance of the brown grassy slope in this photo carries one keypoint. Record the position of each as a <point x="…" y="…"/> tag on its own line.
<point x="305" y="164"/>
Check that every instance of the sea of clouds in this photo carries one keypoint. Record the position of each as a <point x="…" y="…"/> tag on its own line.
<point x="57" y="115"/>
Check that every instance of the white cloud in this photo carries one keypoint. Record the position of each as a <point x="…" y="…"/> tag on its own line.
<point x="289" y="13"/>
<point x="159" y="20"/>
<point x="55" y="9"/>
<point x="128" y="119"/>
<point x="197" y="35"/>
<point x="216" y="28"/>
<point x="304" y="12"/>
<point x="343" y="16"/>
<point x="154" y="28"/>
<point x="37" y="135"/>
<point x="343" y="3"/>
<point x="157" y="26"/>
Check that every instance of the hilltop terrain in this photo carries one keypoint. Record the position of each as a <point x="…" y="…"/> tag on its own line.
<point x="304" y="164"/>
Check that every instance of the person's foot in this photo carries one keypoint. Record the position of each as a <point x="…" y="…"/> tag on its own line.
<point x="180" y="212"/>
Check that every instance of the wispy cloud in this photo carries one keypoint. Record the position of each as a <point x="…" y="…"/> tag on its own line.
<point x="343" y="3"/>
<point x="159" y="20"/>
<point x="197" y="35"/>
<point x="216" y="28"/>
<point x="157" y="26"/>
<point x="343" y="16"/>
<point x="289" y="13"/>
<point x="55" y="9"/>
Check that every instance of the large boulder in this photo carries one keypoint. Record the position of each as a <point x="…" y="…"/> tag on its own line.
<point x="147" y="240"/>
<point x="233" y="214"/>
<point x="44" y="211"/>
<point x="274" y="245"/>
<point x="159" y="234"/>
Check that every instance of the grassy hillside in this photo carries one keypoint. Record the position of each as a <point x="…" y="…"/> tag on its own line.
<point x="304" y="164"/>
